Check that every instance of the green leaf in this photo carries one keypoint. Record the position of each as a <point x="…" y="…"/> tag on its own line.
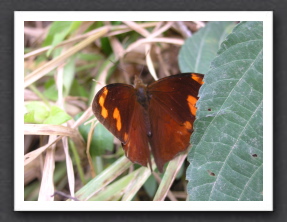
<point x="93" y="26"/>
<point x="105" y="65"/>
<point x="58" y="32"/>
<point x="226" y="159"/>
<point x="106" y="45"/>
<point x="102" y="139"/>
<point x="200" y="49"/>
<point x="78" y="90"/>
<point x="30" y="117"/>
<point x="37" y="112"/>
<point x="51" y="92"/>
<point x="57" y="116"/>
<point x="69" y="75"/>
<point x="150" y="186"/>
<point x="180" y="172"/>
<point x="90" y="57"/>
<point x="56" y="27"/>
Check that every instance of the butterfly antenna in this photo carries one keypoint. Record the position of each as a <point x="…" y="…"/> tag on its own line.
<point x="119" y="67"/>
<point x="141" y="72"/>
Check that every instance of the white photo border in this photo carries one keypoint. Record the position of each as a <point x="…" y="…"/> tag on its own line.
<point x="265" y="16"/>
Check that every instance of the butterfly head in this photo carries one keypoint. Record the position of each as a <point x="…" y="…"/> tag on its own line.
<point x="138" y="83"/>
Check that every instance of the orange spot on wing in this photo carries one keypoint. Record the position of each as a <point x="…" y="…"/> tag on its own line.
<point x="191" y="103"/>
<point x="197" y="79"/>
<point x="117" y="116"/>
<point x="188" y="125"/>
<point x="126" y="137"/>
<point x="102" y="99"/>
<point x="104" y="112"/>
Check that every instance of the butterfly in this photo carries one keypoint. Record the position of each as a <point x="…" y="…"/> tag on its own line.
<point x="155" y="119"/>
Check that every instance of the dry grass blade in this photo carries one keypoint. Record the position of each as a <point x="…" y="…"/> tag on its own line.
<point x="143" y="25"/>
<point x="47" y="183"/>
<point x="180" y="27"/>
<point x="137" y="28"/>
<point x="103" y="77"/>
<point x="34" y="154"/>
<point x="169" y="176"/>
<point x="149" y="62"/>
<point x="46" y="129"/>
<point x="117" y="47"/>
<point x="70" y="169"/>
<point x="199" y="24"/>
<point x="43" y="70"/>
<point x="148" y="36"/>
<point x="169" y="193"/>
<point x="157" y="31"/>
<point x="115" y="190"/>
<point x="138" y="181"/>
<point x="90" y="137"/>
<point x="63" y="43"/>
<point x="136" y="44"/>
<point x="43" y="129"/>
<point x="104" y="178"/>
<point x="161" y="61"/>
<point x="83" y="118"/>
<point x="160" y="30"/>
<point x="69" y="164"/>
<point x="116" y="30"/>
<point x="120" y="29"/>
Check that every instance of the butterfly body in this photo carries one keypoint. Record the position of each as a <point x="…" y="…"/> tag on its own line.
<point x="156" y="119"/>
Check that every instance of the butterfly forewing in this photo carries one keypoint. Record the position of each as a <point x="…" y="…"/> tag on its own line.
<point x="110" y="107"/>
<point x="172" y="113"/>
<point x="115" y="106"/>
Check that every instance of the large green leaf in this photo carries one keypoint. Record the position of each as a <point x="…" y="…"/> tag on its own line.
<point x="226" y="159"/>
<point x="200" y="49"/>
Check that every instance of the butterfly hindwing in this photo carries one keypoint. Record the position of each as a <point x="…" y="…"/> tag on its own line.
<point x="172" y="113"/>
<point x="136" y="147"/>
<point x="115" y="106"/>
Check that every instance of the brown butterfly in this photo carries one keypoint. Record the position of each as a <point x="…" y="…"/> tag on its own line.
<point x="156" y="119"/>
